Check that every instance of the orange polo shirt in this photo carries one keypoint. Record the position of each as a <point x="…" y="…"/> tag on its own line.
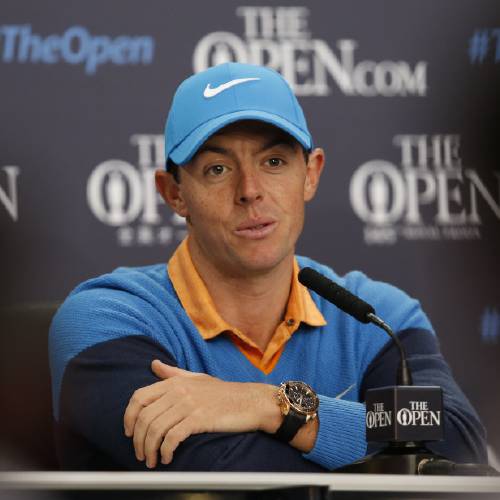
<point x="199" y="306"/>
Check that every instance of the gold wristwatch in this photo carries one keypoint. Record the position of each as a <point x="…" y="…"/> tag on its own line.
<point x="298" y="404"/>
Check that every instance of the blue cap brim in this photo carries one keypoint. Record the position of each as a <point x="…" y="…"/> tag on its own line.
<point x="184" y="151"/>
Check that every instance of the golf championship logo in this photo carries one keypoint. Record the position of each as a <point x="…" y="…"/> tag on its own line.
<point x="76" y="46"/>
<point x="418" y="414"/>
<point x="123" y="196"/>
<point x="378" y="417"/>
<point x="430" y="195"/>
<point x="280" y="38"/>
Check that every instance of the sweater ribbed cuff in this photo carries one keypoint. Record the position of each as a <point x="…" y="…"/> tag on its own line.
<point x="341" y="434"/>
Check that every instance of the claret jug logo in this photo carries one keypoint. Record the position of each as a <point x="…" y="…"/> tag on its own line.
<point x="124" y="196"/>
<point x="429" y="196"/>
<point x="379" y="417"/>
<point x="418" y="414"/>
<point x="280" y="38"/>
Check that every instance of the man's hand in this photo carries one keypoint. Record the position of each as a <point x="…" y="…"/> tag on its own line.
<point x="162" y="415"/>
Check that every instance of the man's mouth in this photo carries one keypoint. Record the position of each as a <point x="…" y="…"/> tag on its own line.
<point x="257" y="229"/>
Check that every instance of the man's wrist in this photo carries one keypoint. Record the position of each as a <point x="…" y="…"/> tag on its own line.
<point x="270" y="417"/>
<point x="305" y="439"/>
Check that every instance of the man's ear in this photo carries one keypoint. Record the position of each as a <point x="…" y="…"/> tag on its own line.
<point x="314" y="168"/>
<point x="170" y="191"/>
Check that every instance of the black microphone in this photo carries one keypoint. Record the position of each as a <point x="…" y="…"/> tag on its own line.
<point x="403" y="415"/>
<point x="336" y="294"/>
<point x="357" y="308"/>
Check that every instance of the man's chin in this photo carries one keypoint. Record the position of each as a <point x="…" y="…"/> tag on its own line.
<point x="260" y="264"/>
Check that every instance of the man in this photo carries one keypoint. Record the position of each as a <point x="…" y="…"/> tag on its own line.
<point x="179" y="367"/>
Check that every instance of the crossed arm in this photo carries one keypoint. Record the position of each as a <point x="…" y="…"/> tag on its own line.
<point x="160" y="416"/>
<point x="198" y="422"/>
<point x="100" y="383"/>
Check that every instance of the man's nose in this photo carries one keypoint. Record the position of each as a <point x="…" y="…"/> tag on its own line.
<point x="249" y="187"/>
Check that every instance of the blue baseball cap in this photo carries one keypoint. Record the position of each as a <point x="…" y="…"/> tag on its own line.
<point x="208" y="101"/>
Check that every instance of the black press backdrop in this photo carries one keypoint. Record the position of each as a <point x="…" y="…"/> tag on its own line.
<point x="403" y="96"/>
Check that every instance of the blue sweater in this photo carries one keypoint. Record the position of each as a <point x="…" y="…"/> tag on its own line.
<point x="110" y="328"/>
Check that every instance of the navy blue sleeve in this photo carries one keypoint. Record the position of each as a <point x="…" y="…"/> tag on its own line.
<point x="96" y="388"/>
<point x="464" y="435"/>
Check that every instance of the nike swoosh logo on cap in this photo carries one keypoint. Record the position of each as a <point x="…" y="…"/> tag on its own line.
<point x="212" y="92"/>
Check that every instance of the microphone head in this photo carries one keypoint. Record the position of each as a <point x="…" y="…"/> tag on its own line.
<point x="336" y="294"/>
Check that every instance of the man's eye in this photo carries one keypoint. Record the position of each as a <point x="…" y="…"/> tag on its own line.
<point x="216" y="170"/>
<point x="275" y="162"/>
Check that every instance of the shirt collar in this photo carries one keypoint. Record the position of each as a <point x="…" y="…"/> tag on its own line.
<point x="200" y="307"/>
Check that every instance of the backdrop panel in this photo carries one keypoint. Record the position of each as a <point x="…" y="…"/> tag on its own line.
<point x="403" y="96"/>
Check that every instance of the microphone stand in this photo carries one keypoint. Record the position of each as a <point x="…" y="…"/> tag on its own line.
<point x="404" y="374"/>
<point x="397" y="457"/>
<point x="403" y="456"/>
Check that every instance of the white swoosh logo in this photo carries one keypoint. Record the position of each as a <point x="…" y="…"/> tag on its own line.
<point x="212" y="92"/>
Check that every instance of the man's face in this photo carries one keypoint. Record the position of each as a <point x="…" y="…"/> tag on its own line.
<point x="243" y="195"/>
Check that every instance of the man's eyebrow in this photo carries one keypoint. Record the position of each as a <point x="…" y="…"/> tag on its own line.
<point x="212" y="149"/>
<point x="279" y="141"/>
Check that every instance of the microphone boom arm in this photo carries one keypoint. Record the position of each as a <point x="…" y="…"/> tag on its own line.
<point x="404" y="373"/>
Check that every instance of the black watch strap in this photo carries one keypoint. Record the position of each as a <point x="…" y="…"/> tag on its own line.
<point x="291" y="424"/>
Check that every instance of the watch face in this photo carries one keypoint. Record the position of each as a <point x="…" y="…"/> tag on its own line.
<point x="301" y="397"/>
